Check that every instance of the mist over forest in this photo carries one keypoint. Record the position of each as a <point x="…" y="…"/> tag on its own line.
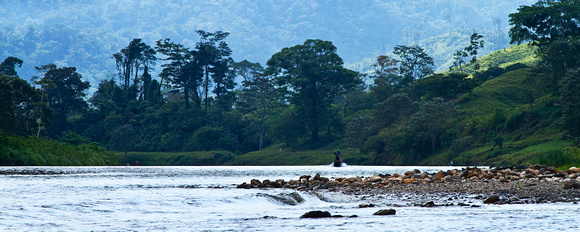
<point x="85" y="34"/>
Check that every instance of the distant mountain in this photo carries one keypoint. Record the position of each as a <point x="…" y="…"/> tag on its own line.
<point x="85" y="34"/>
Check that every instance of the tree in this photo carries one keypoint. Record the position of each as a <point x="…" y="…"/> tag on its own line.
<point x="20" y="105"/>
<point x="130" y="60"/>
<point x="392" y="109"/>
<point x="313" y="75"/>
<point x="431" y="119"/>
<point x="386" y="77"/>
<point x="475" y="44"/>
<point x="183" y="70"/>
<point x="123" y="138"/>
<point x="257" y="93"/>
<point x="65" y="92"/>
<point x="552" y="26"/>
<point x="545" y="22"/>
<point x="570" y="97"/>
<point x="213" y="55"/>
<point x="8" y="66"/>
<point x="446" y="86"/>
<point x="415" y="63"/>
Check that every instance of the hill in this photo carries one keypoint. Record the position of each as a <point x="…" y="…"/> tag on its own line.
<point x="85" y="34"/>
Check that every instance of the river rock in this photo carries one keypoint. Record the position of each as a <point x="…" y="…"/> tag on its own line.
<point x="491" y="199"/>
<point x="385" y="212"/>
<point x="365" y="205"/>
<point x="316" y="214"/>
<point x="351" y="179"/>
<point x="255" y="182"/>
<point x="244" y="185"/>
<point x="571" y="184"/>
<point x="440" y="175"/>
<point x="317" y="176"/>
<point x="573" y="170"/>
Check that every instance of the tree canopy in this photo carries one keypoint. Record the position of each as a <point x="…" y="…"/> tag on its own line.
<point x="313" y="75"/>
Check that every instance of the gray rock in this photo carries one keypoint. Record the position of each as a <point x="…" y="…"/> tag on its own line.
<point x="385" y="212"/>
<point x="571" y="184"/>
<point x="491" y="199"/>
<point x="316" y="214"/>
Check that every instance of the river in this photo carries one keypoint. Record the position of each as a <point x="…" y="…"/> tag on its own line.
<point x="205" y="199"/>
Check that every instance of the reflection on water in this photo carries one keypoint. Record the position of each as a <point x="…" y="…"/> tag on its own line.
<point x="205" y="198"/>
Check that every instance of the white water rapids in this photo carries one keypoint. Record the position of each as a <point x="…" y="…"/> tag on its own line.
<point x="205" y="199"/>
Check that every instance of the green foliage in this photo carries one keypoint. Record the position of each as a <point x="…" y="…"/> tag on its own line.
<point x="446" y="86"/>
<point x="415" y="63"/>
<point x="545" y="21"/>
<point x="312" y="88"/>
<point x="65" y="91"/>
<point x="18" y="151"/>
<point x="570" y="97"/>
<point x="209" y="138"/>
<point x="21" y="107"/>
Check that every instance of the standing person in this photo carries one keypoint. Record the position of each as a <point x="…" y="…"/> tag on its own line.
<point x="337" y="154"/>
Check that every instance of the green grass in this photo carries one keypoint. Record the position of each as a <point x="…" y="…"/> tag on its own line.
<point x="503" y="92"/>
<point x="522" y="53"/>
<point x="200" y="158"/>
<point x="281" y="155"/>
<point x="18" y="151"/>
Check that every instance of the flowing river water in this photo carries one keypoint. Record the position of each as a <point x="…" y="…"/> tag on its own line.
<point x="205" y="199"/>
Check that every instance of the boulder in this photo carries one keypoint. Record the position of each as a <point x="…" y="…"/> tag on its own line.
<point x="491" y="199"/>
<point x="440" y="175"/>
<point x="280" y="181"/>
<point x="429" y="204"/>
<point x="573" y="170"/>
<point x="571" y="184"/>
<point x="317" y="176"/>
<point x="255" y="182"/>
<point x="316" y="214"/>
<point x="385" y="212"/>
<point x="351" y="179"/>
<point x="376" y="178"/>
<point x="244" y="185"/>
<point x="365" y="205"/>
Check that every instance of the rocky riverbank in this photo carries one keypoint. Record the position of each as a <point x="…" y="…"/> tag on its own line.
<point x="465" y="187"/>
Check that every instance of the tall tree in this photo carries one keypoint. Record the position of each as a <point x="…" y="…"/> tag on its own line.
<point x="545" y="21"/>
<point x="213" y="55"/>
<point x="386" y="77"/>
<point x="20" y="105"/>
<point x="415" y="63"/>
<point x="8" y="66"/>
<point x="130" y="60"/>
<point x="256" y="95"/>
<point x="551" y="25"/>
<point x="65" y="91"/>
<point x="475" y="44"/>
<point x="183" y="70"/>
<point x="430" y="121"/>
<point x="570" y="97"/>
<point x="313" y="75"/>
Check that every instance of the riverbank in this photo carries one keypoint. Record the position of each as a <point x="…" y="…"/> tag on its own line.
<point x="464" y="187"/>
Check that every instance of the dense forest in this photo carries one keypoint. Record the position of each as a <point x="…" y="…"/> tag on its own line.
<point x="480" y="110"/>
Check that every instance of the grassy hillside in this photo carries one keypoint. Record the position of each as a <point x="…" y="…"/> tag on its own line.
<point x="517" y="109"/>
<point x="32" y="151"/>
